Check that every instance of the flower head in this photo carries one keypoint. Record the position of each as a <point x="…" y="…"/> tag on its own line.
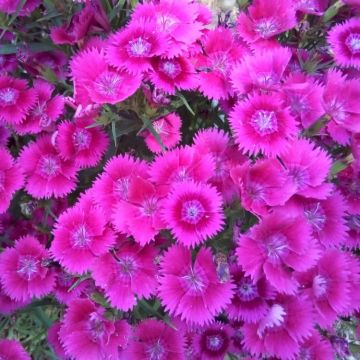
<point x="11" y="7"/>
<point x="12" y="349"/>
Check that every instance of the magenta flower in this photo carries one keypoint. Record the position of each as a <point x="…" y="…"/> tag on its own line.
<point x="11" y="179"/>
<point x="16" y="99"/>
<point x="315" y="7"/>
<point x="262" y="123"/>
<point x="349" y="185"/>
<point x="264" y="70"/>
<point x="181" y="164"/>
<point x="139" y="214"/>
<point x="46" y="173"/>
<point x="153" y="339"/>
<point x="316" y="347"/>
<point x="80" y="235"/>
<point x="9" y="305"/>
<point x="344" y="39"/>
<point x="113" y="184"/>
<point x="96" y="82"/>
<point x="168" y="128"/>
<point x="192" y="290"/>
<point x="221" y="53"/>
<point x="127" y="273"/>
<point x="132" y="48"/>
<point x="45" y="112"/>
<point x="250" y="301"/>
<point x="193" y="213"/>
<point x="24" y="271"/>
<point x="265" y="20"/>
<point x="11" y="6"/>
<point x="173" y="74"/>
<point x="54" y="341"/>
<point x="12" y="349"/>
<point x="76" y="139"/>
<point x="262" y="185"/>
<point x="278" y="246"/>
<point x="85" y="327"/>
<point x="281" y="332"/>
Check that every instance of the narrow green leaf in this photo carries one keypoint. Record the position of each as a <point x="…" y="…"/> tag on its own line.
<point x="78" y="282"/>
<point x="113" y="131"/>
<point x="41" y="315"/>
<point x="332" y="11"/>
<point x="185" y="102"/>
<point x="148" y="125"/>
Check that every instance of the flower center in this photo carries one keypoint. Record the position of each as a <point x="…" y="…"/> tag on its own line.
<point x="267" y="78"/>
<point x="194" y="281"/>
<point x="219" y="62"/>
<point x="166" y="21"/>
<point x="138" y="47"/>
<point x="8" y="96"/>
<point x="192" y="211"/>
<point x="255" y="191"/>
<point x="353" y="43"/>
<point x="264" y="122"/>
<point x="299" y="176"/>
<point x="127" y="265"/>
<point x="97" y="327"/>
<point x="122" y="187"/>
<point x="159" y="127"/>
<point x="247" y="290"/>
<point x="171" y="68"/>
<point x="27" y="267"/>
<point x="266" y="27"/>
<point x="149" y="206"/>
<point x="81" y="139"/>
<point x="276" y="247"/>
<point x="108" y="83"/>
<point x="214" y="342"/>
<point x="320" y="286"/>
<point x="155" y="351"/>
<point x="336" y="110"/>
<point x="315" y="215"/>
<point x="49" y="166"/>
<point x="81" y="238"/>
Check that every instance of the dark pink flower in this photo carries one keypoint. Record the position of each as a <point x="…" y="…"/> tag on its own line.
<point x="344" y="39"/>
<point x="16" y="99"/>
<point x="316" y="348"/>
<point x="349" y="185"/>
<point x="315" y="7"/>
<point x="46" y="173"/>
<point x="11" y="6"/>
<point x="192" y="289"/>
<point x="153" y="339"/>
<point x="263" y="123"/>
<point x="193" y="213"/>
<point x="96" y="82"/>
<point x="168" y="128"/>
<point x="54" y="341"/>
<point x="9" y="305"/>
<point x="24" y="271"/>
<point x="80" y="235"/>
<point x="85" y="327"/>
<point x="76" y="140"/>
<point x="126" y="274"/>
<point x="12" y="350"/>
<point x="132" y="48"/>
<point x="279" y="246"/>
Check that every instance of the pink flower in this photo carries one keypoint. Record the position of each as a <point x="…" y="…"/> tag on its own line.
<point x="349" y="185"/>
<point x="225" y="155"/>
<point x="96" y="82"/>
<point x="281" y="332"/>
<point x="265" y="20"/>
<point x="262" y="123"/>
<point x="344" y="39"/>
<point x="54" y="341"/>
<point x="278" y="246"/>
<point x="9" y="305"/>
<point x="250" y="302"/>
<point x="12" y="349"/>
<point x="11" y="179"/>
<point x="221" y="53"/>
<point x="191" y="289"/>
<point x="139" y="214"/>
<point x="353" y="225"/>
<point x="168" y="128"/>
<point x="24" y="271"/>
<point x="76" y="139"/>
<point x="16" y="99"/>
<point x="264" y="70"/>
<point x="45" y="112"/>
<point x="153" y="339"/>
<point x="132" y="48"/>
<point x="181" y="164"/>
<point x="308" y="167"/>
<point x="315" y="7"/>
<point x="327" y="286"/>
<point x="10" y="7"/>
<point x="316" y="347"/>
<point x="113" y="184"/>
<point x="80" y="235"/>
<point x="262" y="185"/>
<point x="193" y="212"/>
<point x="85" y="327"/>
<point x="126" y="274"/>
<point x="47" y="174"/>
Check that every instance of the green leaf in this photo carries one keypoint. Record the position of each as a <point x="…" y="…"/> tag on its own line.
<point x="99" y="299"/>
<point x="6" y="49"/>
<point x="332" y="11"/>
<point x="78" y="282"/>
<point x="185" y="102"/>
<point x="113" y="131"/>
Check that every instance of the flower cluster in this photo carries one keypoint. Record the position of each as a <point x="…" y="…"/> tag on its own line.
<point x="178" y="189"/>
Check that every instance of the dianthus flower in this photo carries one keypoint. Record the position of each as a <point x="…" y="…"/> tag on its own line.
<point x="349" y="185"/>
<point x="54" y="341"/>
<point x="315" y="347"/>
<point x="11" y="6"/>
<point x="24" y="271"/>
<point x="193" y="213"/>
<point x="46" y="173"/>
<point x="315" y="7"/>
<point x="125" y="274"/>
<point x="16" y="99"/>
<point x="192" y="290"/>
<point x="87" y="334"/>
<point x="262" y="123"/>
<point x="12" y="349"/>
<point x="9" y="305"/>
